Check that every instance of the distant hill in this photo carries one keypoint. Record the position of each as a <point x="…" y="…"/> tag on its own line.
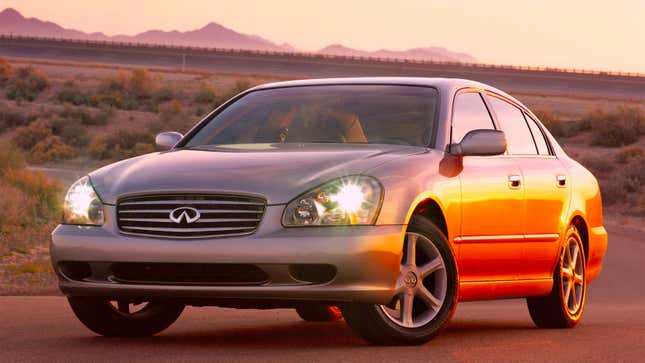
<point x="429" y="53"/>
<point x="212" y="35"/>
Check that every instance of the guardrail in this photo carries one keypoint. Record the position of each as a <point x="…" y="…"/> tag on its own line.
<point x="177" y="47"/>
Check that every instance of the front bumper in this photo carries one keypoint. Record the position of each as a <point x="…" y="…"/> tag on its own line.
<point x="366" y="260"/>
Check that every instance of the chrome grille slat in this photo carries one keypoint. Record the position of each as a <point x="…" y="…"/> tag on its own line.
<point x="189" y="202"/>
<point x="221" y="215"/>
<point x="201" y="210"/>
<point x="201" y="220"/>
<point x="179" y="229"/>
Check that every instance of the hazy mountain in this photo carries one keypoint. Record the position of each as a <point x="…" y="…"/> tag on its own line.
<point x="211" y="35"/>
<point x="429" y="53"/>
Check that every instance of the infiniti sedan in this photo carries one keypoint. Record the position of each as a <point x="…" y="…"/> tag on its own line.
<point x="383" y="201"/>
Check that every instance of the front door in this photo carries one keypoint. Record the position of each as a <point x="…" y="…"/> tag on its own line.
<point x="492" y="202"/>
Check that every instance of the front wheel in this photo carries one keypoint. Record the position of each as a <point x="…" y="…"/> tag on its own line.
<point x="124" y="318"/>
<point x="563" y="307"/>
<point x="425" y="294"/>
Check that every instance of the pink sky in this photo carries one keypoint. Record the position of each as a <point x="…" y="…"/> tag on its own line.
<point x="592" y="34"/>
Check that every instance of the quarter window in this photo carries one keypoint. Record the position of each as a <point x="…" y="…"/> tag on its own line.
<point x="469" y="113"/>
<point x="518" y="136"/>
<point x="538" y="136"/>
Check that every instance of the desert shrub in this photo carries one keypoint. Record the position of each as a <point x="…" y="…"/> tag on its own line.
<point x="641" y="204"/>
<point x="5" y="71"/>
<point x="84" y="117"/>
<point x="10" y="119"/>
<point x="71" y="132"/>
<point x="121" y="144"/>
<point x="556" y="127"/>
<point x="72" y="93"/>
<point x="26" y="83"/>
<point x="205" y="95"/>
<point x="10" y="157"/>
<point x="629" y="153"/>
<point x="45" y="192"/>
<point x="51" y="148"/>
<point x="28" y="136"/>
<point x="126" y="91"/>
<point x="15" y="207"/>
<point x="612" y="192"/>
<point x="171" y="118"/>
<point x="621" y="127"/>
<point x="240" y="85"/>
<point x="140" y="84"/>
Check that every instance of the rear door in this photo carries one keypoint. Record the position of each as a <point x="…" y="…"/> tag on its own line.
<point x="492" y="202"/>
<point x="546" y="189"/>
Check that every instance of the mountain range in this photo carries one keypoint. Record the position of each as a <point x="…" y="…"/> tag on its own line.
<point x="212" y="35"/>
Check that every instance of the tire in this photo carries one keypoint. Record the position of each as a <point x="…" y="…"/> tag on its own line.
<point x="563" y="307"/>
<point x="379" y="324"/>
<point x="319" y="313"/>
<point x="103" y="318"/>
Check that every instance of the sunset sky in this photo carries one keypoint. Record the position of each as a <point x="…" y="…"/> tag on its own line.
<point x="594" y="34"/>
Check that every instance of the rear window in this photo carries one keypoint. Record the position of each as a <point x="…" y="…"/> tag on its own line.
<point x="365" y="114"/>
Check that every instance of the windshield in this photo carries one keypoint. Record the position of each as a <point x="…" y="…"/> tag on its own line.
<point x="374" y="114"/>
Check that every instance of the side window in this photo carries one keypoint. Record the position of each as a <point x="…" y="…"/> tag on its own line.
<point x="469" y="113"/>
<point x="538" y="136"/>
<point x="512" y="122"/>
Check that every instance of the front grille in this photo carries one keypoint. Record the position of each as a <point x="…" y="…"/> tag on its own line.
<point x="220" y="215"/>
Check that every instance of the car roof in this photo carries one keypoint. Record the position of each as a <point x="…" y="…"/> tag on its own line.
<point x="444" y="85"/>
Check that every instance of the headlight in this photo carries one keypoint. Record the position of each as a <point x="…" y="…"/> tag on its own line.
<point x="82" y="205"/>
<point x="351" y="200"/>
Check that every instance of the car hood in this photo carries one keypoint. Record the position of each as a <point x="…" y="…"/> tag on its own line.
<point x="278" y="173"/>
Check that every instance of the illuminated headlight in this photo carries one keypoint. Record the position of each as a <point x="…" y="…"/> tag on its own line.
<point x="82" y="205"/>
<point x="352" y="200"/>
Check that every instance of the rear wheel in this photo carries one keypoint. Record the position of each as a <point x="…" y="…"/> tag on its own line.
<point x="319" y="313"/>
<point x="124" y="318"/>
<point x="426" y="292"/>
<point x="563" y="307"/>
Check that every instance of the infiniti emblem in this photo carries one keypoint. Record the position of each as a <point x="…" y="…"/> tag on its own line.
<point x="184" y="214"/>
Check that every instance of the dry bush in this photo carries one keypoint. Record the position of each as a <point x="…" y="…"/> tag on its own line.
<point x="10" y="157"/>
<point x="15" y="207"/>
<point x="51" y="148"/>
<point x="205" y="95"/>
<point x="171" y="118"/>
<point x="28" y="136"/>
<point x="71" y="132"/>
<point x="84" y="117"/>
<point x="26" y="83"/>
<point x="72" y="93"/>
<point x="10" y="119"/>
<point x="621" y="127"/>
<point x="629" y="153"/>
<point x="556" y="127"/>
<point x="240" y="86"/>
<point x="126" y="91"/>
<point x="5" y="71"/>
<point x="45" y="193"/>
<point x="121" y="144"/>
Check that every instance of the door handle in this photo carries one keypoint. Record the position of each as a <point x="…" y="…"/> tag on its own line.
<point x="562" y="180"/>
<point x="514" y="181"/>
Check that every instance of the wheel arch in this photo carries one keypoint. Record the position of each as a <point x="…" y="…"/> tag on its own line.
<point x="579" y="222"/>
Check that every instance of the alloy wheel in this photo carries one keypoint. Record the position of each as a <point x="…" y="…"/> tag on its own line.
<point x="572" y="274"/>
<point x="421" y="286"/>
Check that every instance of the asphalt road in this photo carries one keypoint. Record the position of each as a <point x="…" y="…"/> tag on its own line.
<point x="613" y="329"/>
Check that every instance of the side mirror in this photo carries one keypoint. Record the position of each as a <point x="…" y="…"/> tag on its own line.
<point x="480" y="143"/>
<point x="166" y="140"/>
